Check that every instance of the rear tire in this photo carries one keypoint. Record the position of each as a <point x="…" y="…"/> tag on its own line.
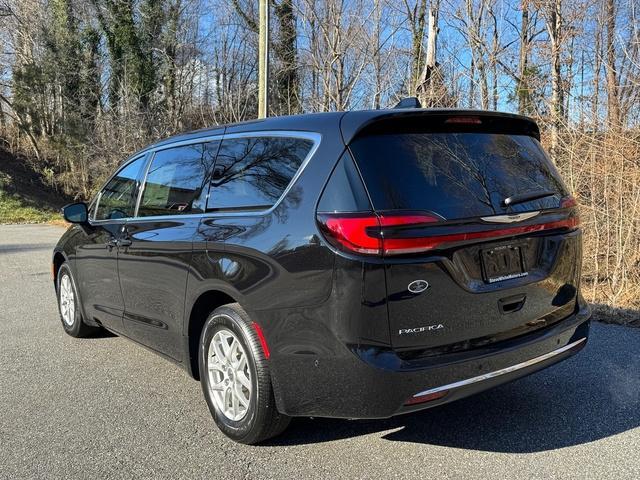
<point x="235" y="378"/>
<point x="69" y="305"/>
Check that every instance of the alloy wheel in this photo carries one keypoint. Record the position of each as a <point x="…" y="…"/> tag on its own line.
<point x="67" y="300"/>
<point x="229" y="375"/>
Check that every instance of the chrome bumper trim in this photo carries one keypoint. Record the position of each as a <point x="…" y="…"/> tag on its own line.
<point x="502" y="371"/>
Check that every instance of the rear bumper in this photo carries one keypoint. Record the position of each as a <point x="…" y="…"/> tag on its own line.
<point x="376" y="383"/>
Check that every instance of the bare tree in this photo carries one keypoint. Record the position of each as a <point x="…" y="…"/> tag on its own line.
<point x="430" y="85"/>
<point x="523" y="64"/>
<point x="416" y="18"/>
<point x="613" y="103"/>
<point x="340" y="49"/>
<point x="552" y="13"/>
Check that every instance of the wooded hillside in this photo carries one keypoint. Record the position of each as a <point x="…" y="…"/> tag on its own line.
<point x="83" y="83"/>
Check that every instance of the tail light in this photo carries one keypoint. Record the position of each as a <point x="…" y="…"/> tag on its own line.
<point x="464" y="120"/>
<point x="362" y="233"/>
<point x="353" y="233"/>
<point x="371" y="234"/>
<point x="571" y="202"/>
<point x="568" y="202"/>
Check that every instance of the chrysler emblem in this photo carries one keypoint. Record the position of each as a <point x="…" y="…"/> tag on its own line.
<point x="418" y="286"/>
<point x="510" y="218"/>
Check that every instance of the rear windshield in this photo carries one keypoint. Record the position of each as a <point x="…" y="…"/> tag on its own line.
<point x="456" y="175"/>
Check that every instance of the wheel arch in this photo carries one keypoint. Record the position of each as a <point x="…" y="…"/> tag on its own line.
<point x="58" y="259"/>
<point x="206" y="303"/>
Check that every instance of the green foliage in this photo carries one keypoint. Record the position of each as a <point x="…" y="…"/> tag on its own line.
<point x="132" y="47"/>
<point x="89" y="89"/>
<point x="15" y="209"/>
<point x="58" y="91"/>
<point x="30" y="89"/>
<point x="57" y="83"/>
<point x="62" y="64"/>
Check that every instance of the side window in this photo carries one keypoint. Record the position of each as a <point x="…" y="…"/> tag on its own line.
<point x="177" y="181"/>
<point x="117" y="199"/>
<point x="252" y="173"/>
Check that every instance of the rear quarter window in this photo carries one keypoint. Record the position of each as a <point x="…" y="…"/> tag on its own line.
<point x="252" y="173"/>
<point x="455" y="175"/>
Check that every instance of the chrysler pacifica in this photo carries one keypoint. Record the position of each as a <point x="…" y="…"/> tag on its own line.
<point x="354" y="265"/>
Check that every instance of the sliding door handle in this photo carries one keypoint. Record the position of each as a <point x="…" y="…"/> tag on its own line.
<point x="118" y="242"/>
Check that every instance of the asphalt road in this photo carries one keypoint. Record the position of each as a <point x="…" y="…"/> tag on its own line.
<point x="105" y="407"/>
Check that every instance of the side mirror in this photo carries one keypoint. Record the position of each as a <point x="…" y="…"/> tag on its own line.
<point x="75" y="212"/>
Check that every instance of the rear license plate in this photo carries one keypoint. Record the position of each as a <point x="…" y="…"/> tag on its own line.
<point x="502" y="263"/>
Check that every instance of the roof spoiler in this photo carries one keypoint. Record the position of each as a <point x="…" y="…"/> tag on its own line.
<point x="364" y="122"/>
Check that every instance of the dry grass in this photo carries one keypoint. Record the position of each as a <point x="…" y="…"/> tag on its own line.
<point x="603" y="170"/>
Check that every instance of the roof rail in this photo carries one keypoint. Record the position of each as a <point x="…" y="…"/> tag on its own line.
<point x="409" y="102"/>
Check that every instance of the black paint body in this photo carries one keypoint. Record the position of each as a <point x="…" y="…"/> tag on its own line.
<point x="331" y="319"/>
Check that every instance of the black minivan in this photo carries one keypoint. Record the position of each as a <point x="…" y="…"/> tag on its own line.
<point x="354" y="264"/>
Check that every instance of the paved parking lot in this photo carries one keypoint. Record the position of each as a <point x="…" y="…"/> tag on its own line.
<point x="104" y="407"/>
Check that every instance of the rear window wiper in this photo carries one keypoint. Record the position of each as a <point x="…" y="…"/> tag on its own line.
<point x="525" y="197"/>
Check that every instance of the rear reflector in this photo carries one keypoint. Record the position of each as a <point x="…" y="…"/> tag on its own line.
<point x="430" y="397"/>
<point x="365" y="233"/>
<point x="263" y="341"/>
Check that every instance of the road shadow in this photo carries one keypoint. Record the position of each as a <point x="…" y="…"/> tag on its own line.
<point x="617" y="316"/>
<point x="11" y="249"/>
<point x="100" y="333"/>
<point x="591" y="396"/>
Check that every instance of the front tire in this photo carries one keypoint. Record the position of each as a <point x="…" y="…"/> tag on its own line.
<point x="235" y="378"/>
<point x="69" y="305"/>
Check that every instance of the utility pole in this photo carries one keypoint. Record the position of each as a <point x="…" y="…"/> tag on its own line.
<point x="263" y="59"/>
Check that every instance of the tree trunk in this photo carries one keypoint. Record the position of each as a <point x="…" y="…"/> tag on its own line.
<point x="522" y="82"/>
<point x="427" y="90"/>
<point x="377" y="60"/>
<point x="554" y="28"/>
<point x="494" y="60"/>
<point x="613" y="101"/>
<point x="597" y="64"/>
<point x="287" y="81"/>
<point x="475" y="19"/>
<point x="417" y="19"/>
<point x="472" y="83"/>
